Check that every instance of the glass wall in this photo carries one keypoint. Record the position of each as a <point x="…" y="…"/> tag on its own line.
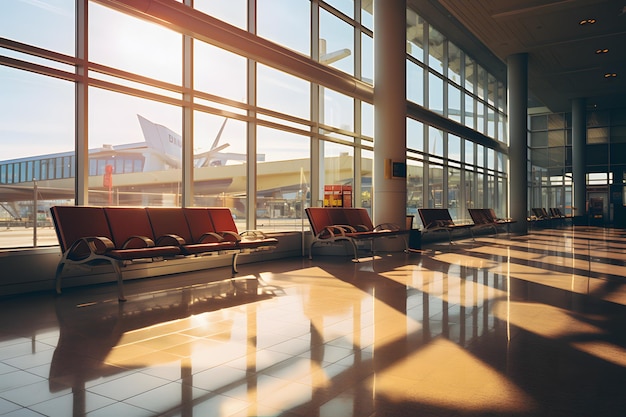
<point x="155" y="117"/>
<point x="551" y="158"/>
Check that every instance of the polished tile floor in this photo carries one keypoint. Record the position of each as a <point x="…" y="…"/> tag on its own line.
<point x="530" y="325"/>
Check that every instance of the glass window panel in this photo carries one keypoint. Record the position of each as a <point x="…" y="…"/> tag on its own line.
<point x="481" y="82"/>
<point x="501" y="97"/>
<point x="219" y="72"/>
<point x="282" y="188"/>
<point x="338" y="109"/>
<point x="435" y="142"/>
<point x="502" y="136"/>
<point x="415" y="83"/>
<point x="46" y="24"/>
<point x="36" y="121"/>
<point x="414" y="186"/>
<point x="480" y="117"/>
<point x="142" y="130"/>
<point x="367" y="163"/>
<point x="491" y="159"/>
<point x="36" y="113"/>
<point x="127" y="43"/>
<point x="415" y="35"/>
<point x="436" y="197"/>
<point x="454" y="103"/>
<point x="480" y="156"/>
<point x="367" y="58"/>
<point x="367" y="15"/>
<point x="470" y="189"/>
<point x="367" y="119"/>
<point x="414" y="135"/>
<point x="338" y="165"/>
<point x="491" y="123"/>
<point x="454" y="63"/>
<point x="556" y="138"/>
<point x="220" y="175"/>
<point x="454" y="148"/>
<point x="344" y="6"/>
<point x="480" y="190"/>
<point x="294" y="30"/>
<point x="539" y="157"/>
<point x="279" y="91"/>
<point x="470" y="115"/>
<point x="557" y="156"/>
<point x="598" y="135"/>
<point x="336" y="42"/>
<point x="598" y="118"/>
<point x="435" y="93"/>
<point x="556" y="121"/>
<point x="436" y="42"/>
<point x="469" y="152"/>
<point x="470" y="74"/>
<point x="492" y="89"/>
<point x="233" y="12"/>
<point x="218" y="141"/>
<point x="539" y="122"/>
<point x="455" y="207"/>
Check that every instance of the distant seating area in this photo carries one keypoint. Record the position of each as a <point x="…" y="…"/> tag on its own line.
<point x="439" y="220"/>
<point x="119" y="236"/>
<point x="547" y="217"/>
<point x="486" y="218"/>
<point x="351" y="225"/>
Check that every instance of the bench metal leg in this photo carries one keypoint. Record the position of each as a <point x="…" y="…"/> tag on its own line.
<point x="233" y="264"/>
<point x="120" y="281"/>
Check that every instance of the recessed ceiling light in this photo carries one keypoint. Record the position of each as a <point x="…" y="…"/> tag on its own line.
<point x="610" y="75"/>
<point x="587" y="22"/>
<point x="602" y="51"/>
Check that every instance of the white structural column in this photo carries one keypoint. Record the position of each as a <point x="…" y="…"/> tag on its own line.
<point x="579" y="143"/>
<point x="389" y="192"/>
<point x="517" y="68"/>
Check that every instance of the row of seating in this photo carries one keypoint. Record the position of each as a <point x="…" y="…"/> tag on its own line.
<point x="439" y="219"/>
<point x="330" y="225"/>
<point x="120" y="236"/>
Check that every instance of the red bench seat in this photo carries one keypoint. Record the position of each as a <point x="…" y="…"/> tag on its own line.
<point x="348" y="224"/>
<point x="120" y="236"/>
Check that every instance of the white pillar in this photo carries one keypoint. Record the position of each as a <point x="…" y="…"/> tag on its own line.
<point x="517" y="67"/>
<point x="389" y="193"/>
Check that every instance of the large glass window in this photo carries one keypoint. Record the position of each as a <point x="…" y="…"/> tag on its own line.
<point x="219" y="72"/>
<point x="294" y="30"/>
<point x="124" y="126"/>
<point x="48" y="25"/>
<point x="336" y="42"/>
<point x="415" y="83"/>
<point x="230" y="11"/>
<point x="283" y="179"/>
<point x="126" y="43"/>
<point x="37" y="136"/>
<point x="281" y="92"/>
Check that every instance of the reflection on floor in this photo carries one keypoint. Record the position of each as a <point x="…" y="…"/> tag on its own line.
<point x="528" y="326"/>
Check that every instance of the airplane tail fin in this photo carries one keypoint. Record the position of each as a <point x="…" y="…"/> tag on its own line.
<point x="219" y="135"/>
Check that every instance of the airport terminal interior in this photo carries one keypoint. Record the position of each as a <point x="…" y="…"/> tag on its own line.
<point x="265" y="109"/>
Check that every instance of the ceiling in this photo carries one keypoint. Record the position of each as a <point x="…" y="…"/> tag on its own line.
<point x="562" y="59"/>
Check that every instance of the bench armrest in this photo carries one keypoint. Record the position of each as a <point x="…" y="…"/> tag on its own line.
<point x="136" y="242"/>
<point x="86" y="246"/>
<point x="252" y="235"/>
<point x="210" y="237"/>
<point x="170" y="240"/>
<point x="332" y="231"/>
<point x="386" y="226"/>
<point x="230" y="236"/>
